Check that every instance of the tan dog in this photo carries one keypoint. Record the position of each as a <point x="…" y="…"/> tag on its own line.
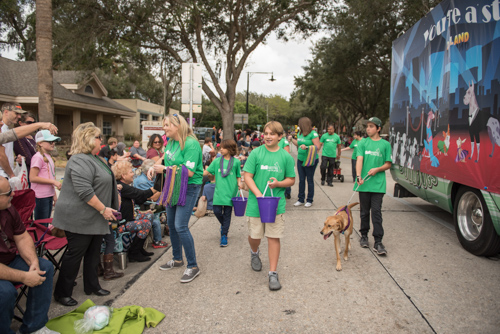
<point x="341" y="221"/>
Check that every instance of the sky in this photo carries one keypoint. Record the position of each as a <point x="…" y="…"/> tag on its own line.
<point x="284" y="60"/>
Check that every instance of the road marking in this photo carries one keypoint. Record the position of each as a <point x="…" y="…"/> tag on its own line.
<point x="425" y="213"/>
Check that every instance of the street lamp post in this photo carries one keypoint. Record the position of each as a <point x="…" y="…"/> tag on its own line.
<point x="248" y="82"/>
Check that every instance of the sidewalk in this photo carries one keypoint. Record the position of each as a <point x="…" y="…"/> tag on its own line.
<point x="422" y="286"/>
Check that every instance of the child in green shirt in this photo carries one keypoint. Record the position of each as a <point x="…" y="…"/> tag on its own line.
<point x="227" y="172"/>
<point x="373" y="159"/>
<point x="268" y="164"/>
<point x="358" y="135"/>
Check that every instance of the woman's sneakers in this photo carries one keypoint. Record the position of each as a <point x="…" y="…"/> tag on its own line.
<point x="160" y="244"/>
<point x="172" y="264"/>
<point x="190" y="274"/>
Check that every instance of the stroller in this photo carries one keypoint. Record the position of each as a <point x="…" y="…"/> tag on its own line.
<point x="337" y="171"/>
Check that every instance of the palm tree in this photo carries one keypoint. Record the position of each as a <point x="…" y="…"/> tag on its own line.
<point x="44" y="60"/>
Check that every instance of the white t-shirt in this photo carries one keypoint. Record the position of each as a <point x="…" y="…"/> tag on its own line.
<point x="9" y="152"/>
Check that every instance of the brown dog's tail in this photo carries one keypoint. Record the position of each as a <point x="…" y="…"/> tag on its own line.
<point x="351" y="205"/>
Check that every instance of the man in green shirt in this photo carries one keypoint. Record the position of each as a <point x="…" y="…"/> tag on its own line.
<point x="373" y="159"/>
<point x="331" y="149"/>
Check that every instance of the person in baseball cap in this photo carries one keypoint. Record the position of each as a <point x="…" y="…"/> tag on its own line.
<point x="45" y="135"/>
<point x="374" y="120"/>
<point x="13" y="107"/>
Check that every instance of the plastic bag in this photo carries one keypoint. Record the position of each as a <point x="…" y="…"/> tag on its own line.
<point x="20" y="181"/>
<point x="94" y="319"/>
<point x="201" y="210"/>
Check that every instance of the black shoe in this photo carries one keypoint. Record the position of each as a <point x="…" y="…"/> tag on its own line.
<point x="100" y="292"/>
<point x="288" y="196"/>
<point x="330" y="184"/>
<point x="146" y="253"/>
<point x="379" y="248"/>
<point x="363" y="242"/>
<point x="138" y="257"/>
<point x="322" y="182"/>
<point x="66" y="301"/>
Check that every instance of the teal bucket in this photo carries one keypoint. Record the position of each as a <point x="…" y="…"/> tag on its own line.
<point x="239" y="205"/>
<point x="268" y="207"/>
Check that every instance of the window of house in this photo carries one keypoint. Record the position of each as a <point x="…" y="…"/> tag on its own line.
<point x="156" y="118"/>
<point x="106" y="128"/>
<point x="88" y="89"/>
<point x="144" y="117"/>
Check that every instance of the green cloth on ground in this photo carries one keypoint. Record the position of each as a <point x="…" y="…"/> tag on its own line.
<point x="124" y="320"/>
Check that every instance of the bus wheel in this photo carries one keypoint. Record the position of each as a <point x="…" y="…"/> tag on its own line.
<point x="473" y="223"/>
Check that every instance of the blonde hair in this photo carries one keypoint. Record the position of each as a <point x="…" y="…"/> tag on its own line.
<point x="40" y="149"/>
<point x="184" y="129"/>
<point x="275" y="127"/>
<point x="120" y="168"/>
<point x="83" y="138"/>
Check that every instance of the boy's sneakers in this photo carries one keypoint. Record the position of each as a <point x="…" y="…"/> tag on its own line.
<point x="298" y="203"/>
<point x="379" y="248"/>
<point x="171" y="264"/>
<point x="308" y="204"/>
<point x="255" y="262"/>
<point x="160" y="244"/>
<point x="223" y="241"/>
<point x="190" y="274"/>
<point x="363" y="242"/>
<point x="274" y="283"/>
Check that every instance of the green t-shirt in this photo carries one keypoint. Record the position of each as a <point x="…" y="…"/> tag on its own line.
<point x="375" y="153"/>
<point x="354" y="146"/>
<point x="330" y="143"/>
<point x="308" y="141"/>
<point x="190" y="156"/>
<point x="264" y="165"/>
<point x="225" y="187"/>
<point x="283" y="142"/>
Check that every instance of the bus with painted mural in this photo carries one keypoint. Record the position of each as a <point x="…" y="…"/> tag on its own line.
<point x="444" y="117"/>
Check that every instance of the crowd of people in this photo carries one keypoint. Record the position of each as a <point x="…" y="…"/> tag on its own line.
<point x="104" y="184"/>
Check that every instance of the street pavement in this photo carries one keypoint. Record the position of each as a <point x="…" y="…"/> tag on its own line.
<point x="427" y="283"/>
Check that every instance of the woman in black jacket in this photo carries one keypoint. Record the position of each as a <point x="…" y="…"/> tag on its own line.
<point x="139" y="223"/>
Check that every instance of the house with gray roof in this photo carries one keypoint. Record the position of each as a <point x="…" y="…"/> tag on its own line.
<point x="78" y="98"/>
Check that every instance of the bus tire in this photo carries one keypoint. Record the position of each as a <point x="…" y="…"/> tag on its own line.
<point x="473" y="223"/>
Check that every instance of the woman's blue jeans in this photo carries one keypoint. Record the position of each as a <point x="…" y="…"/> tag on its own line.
<point x="43" y="207"/>
<point x="306" y="173"/>
<point x="178" y="221"/>
<point x="37" y="304"/>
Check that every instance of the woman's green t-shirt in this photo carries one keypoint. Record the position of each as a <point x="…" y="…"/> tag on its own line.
<point x="308" y="141"/>
<point x="225" y="187"/>
<point x="190" y="156"/>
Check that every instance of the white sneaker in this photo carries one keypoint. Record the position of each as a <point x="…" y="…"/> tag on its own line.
<point x="298" y="203"/>
<point x="308" y="205"/>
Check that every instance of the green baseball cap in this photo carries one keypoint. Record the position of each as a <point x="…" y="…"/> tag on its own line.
<point x="374" y="120"/>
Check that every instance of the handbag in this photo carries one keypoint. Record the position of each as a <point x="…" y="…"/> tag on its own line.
<point x="311" y="156"/>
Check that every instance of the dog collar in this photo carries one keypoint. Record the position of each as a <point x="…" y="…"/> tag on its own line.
<point x="348" y="219"/>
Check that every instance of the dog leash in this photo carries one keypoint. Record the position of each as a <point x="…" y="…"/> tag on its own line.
<point x="366" y="178"/>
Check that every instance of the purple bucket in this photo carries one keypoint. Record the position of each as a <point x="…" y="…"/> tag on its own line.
<point x="268" y="207"/>
<point x="239" y="205"/>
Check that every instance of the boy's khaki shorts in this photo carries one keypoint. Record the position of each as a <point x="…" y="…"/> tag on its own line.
<point x="258" y="230"/>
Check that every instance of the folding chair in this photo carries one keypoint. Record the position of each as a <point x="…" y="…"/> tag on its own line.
<point x="47" y="245"/>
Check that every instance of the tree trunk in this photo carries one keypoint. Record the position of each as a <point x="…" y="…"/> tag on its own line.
<point x="44" y="60"/>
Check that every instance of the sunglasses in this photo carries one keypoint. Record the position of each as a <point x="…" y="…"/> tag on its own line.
<point x="7" y="193"/>
<point x="29" y="122"/>
<point x="156" y="142"/>
<point x="99" y="137"/>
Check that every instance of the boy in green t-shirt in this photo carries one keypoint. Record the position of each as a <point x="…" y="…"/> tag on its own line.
<point x="358" y="135"/>
<point x="331" y="149"/>
<point x="373" y="159"/>
<point x="268" y="164"/>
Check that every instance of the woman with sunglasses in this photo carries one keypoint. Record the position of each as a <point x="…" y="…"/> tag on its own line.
<point x="183" y="148"/>
<point x="86" y="204"/>
<point x="155" y="148"/>
<point x="26" y="146"/>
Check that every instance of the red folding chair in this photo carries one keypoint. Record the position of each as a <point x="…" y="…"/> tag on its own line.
<point x="46" y="244"/>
